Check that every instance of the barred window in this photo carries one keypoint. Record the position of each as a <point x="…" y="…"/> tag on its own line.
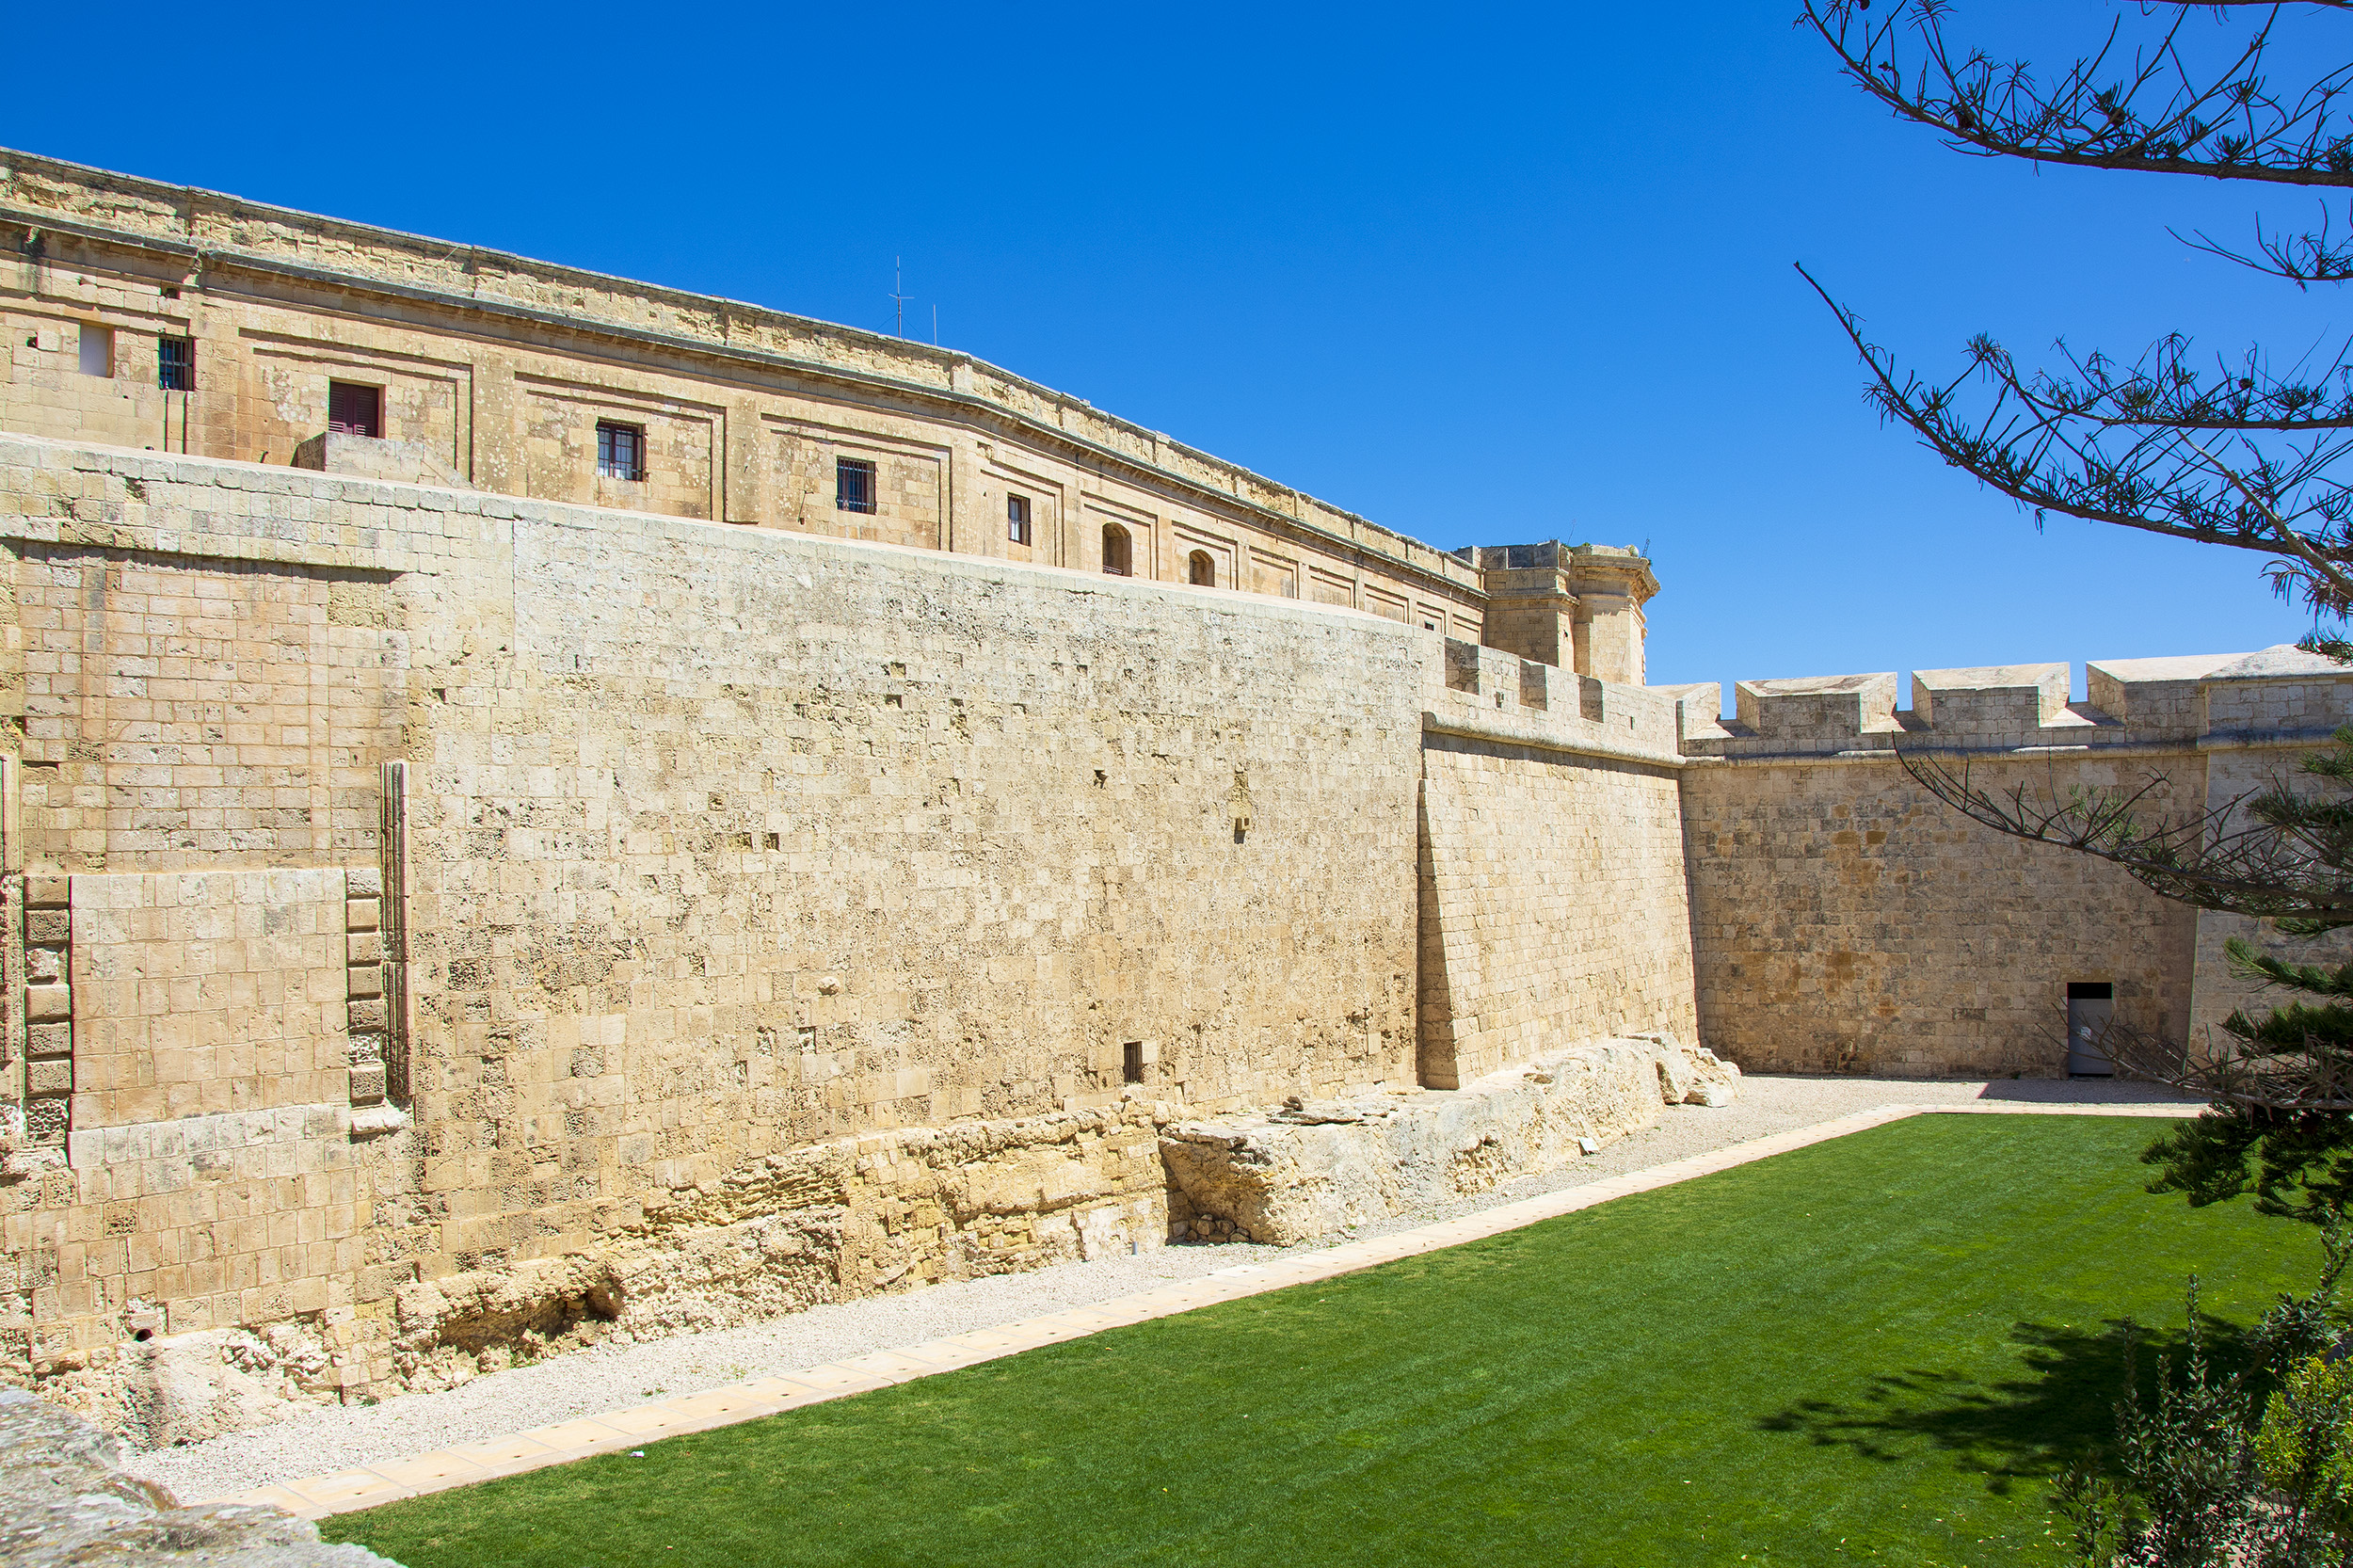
<point x="1017" y="518"/>
<point x="175" y="363"/>
<point x="355" y="411"/>
<point x="621" y="450"/>
<point x="852" y="485"/>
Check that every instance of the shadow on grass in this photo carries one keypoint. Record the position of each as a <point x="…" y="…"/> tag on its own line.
<point x="2059" y="1408"/>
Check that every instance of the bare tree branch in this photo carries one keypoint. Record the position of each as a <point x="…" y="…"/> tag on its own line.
<point x="2129" y="444"/>
<point x="2156" y="114"/>
<point x="2241" y="857"/>
<point x="2312" y="256"/>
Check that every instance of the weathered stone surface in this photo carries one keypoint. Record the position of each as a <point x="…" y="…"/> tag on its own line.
<point x="64" y="1502"/>
<point x="187" y="1387"/>
<point x="1321" y="1167"/>
<point x="833" y="1222"/>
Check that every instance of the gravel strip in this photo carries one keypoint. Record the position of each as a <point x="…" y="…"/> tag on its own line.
<point x="616" y="1376"/>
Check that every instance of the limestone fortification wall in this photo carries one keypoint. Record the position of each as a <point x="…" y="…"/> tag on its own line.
<point x="1845" y="920"/>
<point x="444" y="924"/>
<point x="719" y="845"/>
<point x="1552" y="902"/>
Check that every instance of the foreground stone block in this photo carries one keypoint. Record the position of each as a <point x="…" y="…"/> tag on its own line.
<point x="64" y="1498"/>
<point x="1317" y="1167"/>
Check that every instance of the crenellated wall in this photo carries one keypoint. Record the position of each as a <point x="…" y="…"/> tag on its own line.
<point x="1552" y="903"/>
<point x="437" y="921"/>
<point x="1845" y="920"/>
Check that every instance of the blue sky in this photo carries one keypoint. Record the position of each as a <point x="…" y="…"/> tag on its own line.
<point x="1484" y="274"/>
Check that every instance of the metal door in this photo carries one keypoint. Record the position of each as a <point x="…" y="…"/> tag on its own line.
<point x="2090" y="1006"/>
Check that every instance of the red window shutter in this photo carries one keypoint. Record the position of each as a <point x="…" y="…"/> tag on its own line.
<point x="355" y="411"/>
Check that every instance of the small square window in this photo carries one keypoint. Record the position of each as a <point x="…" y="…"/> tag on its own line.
<point x="175" y="364"/>
<point x="621" y="450"/>
<point x="852" y="485"/>
<point x="352" y="410"/>
<point x="98" y="349"/>
<point x="1017" y="518"/>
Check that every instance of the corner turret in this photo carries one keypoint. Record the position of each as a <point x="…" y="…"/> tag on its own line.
<point x="1575" y="607"/>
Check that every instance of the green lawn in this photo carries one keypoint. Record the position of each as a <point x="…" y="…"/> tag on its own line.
<point x="1876" y="1349"/>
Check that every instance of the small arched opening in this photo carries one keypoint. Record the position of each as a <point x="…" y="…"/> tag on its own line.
<point x="1202" y="569"/>
<point x="1118" y="559"/>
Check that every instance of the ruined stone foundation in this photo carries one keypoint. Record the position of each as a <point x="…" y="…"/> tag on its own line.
<point x="1318" y="1166"/>
<point x="830" y="1222"/>
<point x="895" y="1210"/>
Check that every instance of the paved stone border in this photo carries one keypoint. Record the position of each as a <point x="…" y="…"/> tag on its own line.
<point x="370" y="1485"/>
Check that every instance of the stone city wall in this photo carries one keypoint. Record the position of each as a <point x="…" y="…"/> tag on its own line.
<point x="1846" y="920"/>
<point x="454" y="925"/>
<point x="719" y="847"/>
<point x="1552" y="903"/>
<point x="441" y="926"/>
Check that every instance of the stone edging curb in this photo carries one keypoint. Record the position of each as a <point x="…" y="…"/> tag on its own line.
<point x="371" y="1486"/>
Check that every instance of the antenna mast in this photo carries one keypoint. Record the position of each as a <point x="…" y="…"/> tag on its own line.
<point x="897" y="283"/>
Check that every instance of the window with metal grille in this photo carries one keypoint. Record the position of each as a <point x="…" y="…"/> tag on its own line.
<point x="352" y="410"/>
<point x="175" y="364"/>
<point x="621" y="450"/>
<point x="852" y="485"/>
<point x="1017" y="518"/>
<point x="98" y="349"/>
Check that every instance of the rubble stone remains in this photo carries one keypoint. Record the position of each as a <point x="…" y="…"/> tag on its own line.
<point x="537" y="806"/>
<point x="65" y="1498"/>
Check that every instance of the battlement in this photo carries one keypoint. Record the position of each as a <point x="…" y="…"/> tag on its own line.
<point x="1494" y="694"/>
<point x="2277" y="695"/>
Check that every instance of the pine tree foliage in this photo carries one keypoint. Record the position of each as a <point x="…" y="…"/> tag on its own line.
<point x="2237" y="449"/>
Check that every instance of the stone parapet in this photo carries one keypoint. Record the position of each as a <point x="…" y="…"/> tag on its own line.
<point x="2281" y="696"/>
<point x="1491" y="694"/>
